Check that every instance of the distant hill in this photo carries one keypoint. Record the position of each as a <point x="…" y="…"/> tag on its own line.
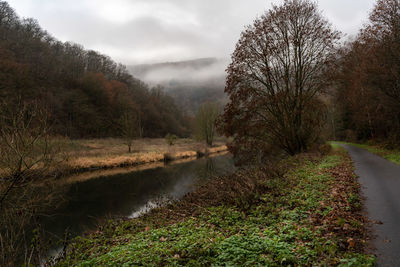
<point x="190" y="82"/>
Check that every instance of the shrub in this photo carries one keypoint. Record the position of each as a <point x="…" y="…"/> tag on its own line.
<point x="171" y="139"/>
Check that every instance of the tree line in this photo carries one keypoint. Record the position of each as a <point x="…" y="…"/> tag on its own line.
<point x="87" y="93"/>
<point x="367" y="80"/>
<point x="293" y="84"/>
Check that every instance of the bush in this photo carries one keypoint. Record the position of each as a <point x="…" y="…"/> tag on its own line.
<point x="171" y="139"/>
<point x="325" y="149"/>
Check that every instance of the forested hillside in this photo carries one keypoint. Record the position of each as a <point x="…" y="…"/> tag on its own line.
<point x="85" y="92"/>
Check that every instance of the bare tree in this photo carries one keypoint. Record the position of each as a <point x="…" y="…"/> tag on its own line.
<point x="276" y="74"/>
<point x="26" y="150"/>
<point x="131" y="127"/>
<point x="205" y="122"/>
<point x="27" y="155"/>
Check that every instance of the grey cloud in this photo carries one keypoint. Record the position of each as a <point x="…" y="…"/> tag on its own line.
<point x="167" y="30"/>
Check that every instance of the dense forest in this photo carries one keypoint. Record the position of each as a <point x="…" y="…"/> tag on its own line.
<point x="85" y="92"/>
<point x="367" y="89"/>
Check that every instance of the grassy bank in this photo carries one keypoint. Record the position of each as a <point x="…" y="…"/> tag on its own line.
<point x="309" y="214"/>
<point x="92" y="154"/>
<point x="390" y="154"/>
<point x="84" y="176"/>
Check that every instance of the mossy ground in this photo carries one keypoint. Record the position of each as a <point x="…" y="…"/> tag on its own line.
<point x="309" y="216"/>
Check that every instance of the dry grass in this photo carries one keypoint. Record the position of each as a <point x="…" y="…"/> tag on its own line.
<point x="80" y="177"/>
<point x="111" y="153"/>
<point x="217" y="149"/>
<point x="92" y="154"/>
<point x="115" y="146"/>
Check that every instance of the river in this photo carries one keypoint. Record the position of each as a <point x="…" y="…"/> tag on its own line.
<point x="126" y="194"/>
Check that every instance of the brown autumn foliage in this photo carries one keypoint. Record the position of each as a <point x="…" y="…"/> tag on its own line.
<point x="368" y="94"/>
<point x="85" y="91"/>
<point x="275" y="79"/>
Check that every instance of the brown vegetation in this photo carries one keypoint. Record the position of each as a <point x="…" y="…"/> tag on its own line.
<point x="275" y="79"/>
<point x="111" y="153"/>
<point x="27" y="155"/>
<point x="348" y="223"/>
<point x="86" y="92"/>
<point x="128" y="169"/>
<point x="367" y="75"/>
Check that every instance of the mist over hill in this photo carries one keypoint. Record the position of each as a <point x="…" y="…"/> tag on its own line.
<point x="196" y="71"/>
<point x="190" y="83"/>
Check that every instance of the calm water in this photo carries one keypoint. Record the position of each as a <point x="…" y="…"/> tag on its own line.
<point x="128" y="194"/>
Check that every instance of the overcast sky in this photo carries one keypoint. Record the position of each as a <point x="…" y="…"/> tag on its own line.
<point x="148" y="31"/>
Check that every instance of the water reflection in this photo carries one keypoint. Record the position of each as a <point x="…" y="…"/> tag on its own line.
<point x="128" y="194"/>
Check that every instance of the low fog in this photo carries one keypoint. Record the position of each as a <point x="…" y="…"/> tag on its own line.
<point x="206" y="71"/>
<point x="190" y="83"/>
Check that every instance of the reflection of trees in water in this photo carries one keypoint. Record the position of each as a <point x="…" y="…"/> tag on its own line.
<point x="207" y="169"/>
<point x="210" y="167"/>
<point x="123" y="194"/>
<point x="218" y="166"/>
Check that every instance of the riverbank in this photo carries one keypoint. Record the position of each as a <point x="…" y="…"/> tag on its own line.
<point x="84" y="176"/>
<point x="94" y="154"/>
<point x="305" y="210"/>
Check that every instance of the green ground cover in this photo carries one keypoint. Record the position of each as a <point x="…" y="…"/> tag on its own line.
<point x="311" y="215"/>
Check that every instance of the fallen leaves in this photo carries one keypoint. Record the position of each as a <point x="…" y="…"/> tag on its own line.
<point x="345" y="218"/>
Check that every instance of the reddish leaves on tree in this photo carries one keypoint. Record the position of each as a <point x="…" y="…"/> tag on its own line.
<point x="278" y="70"/>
